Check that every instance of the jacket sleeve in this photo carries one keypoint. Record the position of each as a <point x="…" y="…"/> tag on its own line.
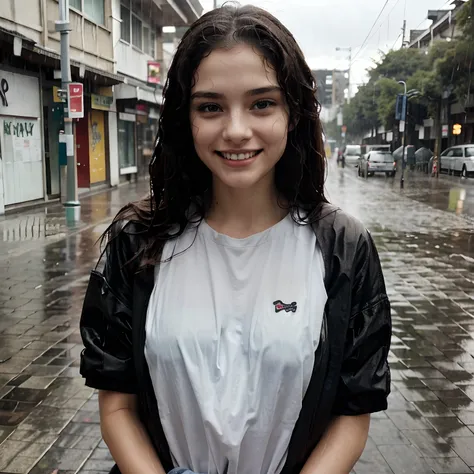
<point x="106" y="319"/>
<point x="364" y="383"/>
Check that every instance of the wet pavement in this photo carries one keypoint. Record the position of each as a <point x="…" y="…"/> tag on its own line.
<point x="425" y="234"/>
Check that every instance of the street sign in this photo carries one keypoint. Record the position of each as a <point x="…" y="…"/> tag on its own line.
<point x="445" y="131"/>
<point x="401" y="107"/>
<point x="75" y="100"/>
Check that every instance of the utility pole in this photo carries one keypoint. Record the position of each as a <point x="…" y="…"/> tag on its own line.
<point x="348" y="71"/>
<point x="215" y="4"/>
<point x="404" y="32"/>
<point x="404" y="136"/>
<point x="63" y="27"/>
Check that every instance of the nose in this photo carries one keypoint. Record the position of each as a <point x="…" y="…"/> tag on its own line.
<point x="237" y="128"/>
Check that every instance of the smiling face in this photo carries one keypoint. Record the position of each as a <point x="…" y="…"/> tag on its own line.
<point x="239" y="117"/>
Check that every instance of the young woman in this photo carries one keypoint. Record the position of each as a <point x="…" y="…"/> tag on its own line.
<point x="241" y="323"/>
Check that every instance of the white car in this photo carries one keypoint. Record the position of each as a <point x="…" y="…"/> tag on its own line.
<point x="458" y="160"/>
<point x="351" y="154"/>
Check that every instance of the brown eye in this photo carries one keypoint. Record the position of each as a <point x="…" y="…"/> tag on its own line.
<point x="209" y="108"/>
<point x="263" y="104"/>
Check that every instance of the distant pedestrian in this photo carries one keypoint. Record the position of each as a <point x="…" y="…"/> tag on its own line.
<point x="241" y="323"/>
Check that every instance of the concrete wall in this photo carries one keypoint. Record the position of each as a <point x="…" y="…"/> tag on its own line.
<point x="91" y="43"/>
<point x="22" y="16"/>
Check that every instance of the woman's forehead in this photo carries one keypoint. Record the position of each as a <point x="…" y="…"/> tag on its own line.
<point x="239" y="67"/>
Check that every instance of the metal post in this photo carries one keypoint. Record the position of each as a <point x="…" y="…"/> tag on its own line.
<point x="63" y="27"/>
<point x="349" y="74"/>
<point x="402" y="177"/>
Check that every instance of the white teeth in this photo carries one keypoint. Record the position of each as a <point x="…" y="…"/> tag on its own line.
<point x="239" y="156"/>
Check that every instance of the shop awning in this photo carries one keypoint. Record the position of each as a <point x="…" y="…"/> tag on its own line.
<point x="140" y="93"/>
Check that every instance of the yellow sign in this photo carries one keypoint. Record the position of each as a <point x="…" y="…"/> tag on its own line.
<point x="457" y="129"/>
<point x="97" y="164"/>
<point x="56" y="97"/>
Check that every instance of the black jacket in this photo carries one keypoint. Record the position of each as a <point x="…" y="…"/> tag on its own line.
<point x="350" y="376"/>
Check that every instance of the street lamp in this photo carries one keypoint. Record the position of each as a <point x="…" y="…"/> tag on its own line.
<point x="349" y="50"/>
<point x="404" y="118"/>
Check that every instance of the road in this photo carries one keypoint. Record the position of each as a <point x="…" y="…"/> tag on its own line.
<point x="425" y="235"/>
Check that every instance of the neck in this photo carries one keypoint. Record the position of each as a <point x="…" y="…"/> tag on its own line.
<point x="243" y="212"/>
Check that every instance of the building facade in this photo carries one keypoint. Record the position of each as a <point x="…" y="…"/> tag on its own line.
<point x="116" y="53"/>
<point x="140" y="59"/>
<point x="444" y="28"/>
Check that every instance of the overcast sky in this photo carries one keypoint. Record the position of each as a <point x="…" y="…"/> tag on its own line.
<point x="320" y="26"/>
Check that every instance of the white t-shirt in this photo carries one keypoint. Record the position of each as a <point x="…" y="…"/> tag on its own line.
<point x="231" y="333"/>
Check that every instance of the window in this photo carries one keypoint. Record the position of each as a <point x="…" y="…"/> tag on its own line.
<point x="137" y="7"/>
<point x="470" y="152"/>
<point x="457" y="152"/>
<point x="153" y="45"/>
<point x="448" y="152"/>
<point x="126" y="144"/>
<point x="137" y="35"/>
<point x="146" y="40"/>
<point x="75" y="4"/>
<point x="125" y="26"/>
<point x="94" y="9"/>
<point x="382" y="157"/>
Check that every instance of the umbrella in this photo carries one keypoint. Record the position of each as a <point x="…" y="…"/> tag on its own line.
<point x="398" y="153"/>
<point x="409" y="153"/>
<point x="423" y="155"/>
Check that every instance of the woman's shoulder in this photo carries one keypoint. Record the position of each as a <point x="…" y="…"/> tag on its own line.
<point x="334" y="220"/>
<point x="128" y="231"/>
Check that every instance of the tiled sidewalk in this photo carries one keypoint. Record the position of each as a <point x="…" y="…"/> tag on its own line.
<point x="49" y="421"/>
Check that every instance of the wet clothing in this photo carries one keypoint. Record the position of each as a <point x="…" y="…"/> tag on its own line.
<point x="350" y="375"/>
<point x="232" y="329"/>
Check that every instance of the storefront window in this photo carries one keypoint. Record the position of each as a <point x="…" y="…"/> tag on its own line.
<point x="126" y="145"/>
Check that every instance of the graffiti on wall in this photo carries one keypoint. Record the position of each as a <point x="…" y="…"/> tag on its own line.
<point x="96" y="136"/>
<point x="18" y="129"/>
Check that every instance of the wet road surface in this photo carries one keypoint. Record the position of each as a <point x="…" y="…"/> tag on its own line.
<point x="425" y="235"/>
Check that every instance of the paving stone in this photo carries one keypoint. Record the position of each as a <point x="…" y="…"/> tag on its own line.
<point x="404" y="459"/>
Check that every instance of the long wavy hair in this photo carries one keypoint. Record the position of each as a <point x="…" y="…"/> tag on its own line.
<point x="178" y="178"/>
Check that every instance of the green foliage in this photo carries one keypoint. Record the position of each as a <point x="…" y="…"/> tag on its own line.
<point x="447" y="68"/>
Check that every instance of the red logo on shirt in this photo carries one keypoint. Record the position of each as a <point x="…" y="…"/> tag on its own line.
<point x="280" y="306"/>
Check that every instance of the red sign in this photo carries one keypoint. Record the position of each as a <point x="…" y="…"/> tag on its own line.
<point x="75" y="100"/>
<point x="154" y="72"/>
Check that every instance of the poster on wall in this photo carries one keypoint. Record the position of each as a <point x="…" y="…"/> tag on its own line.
<point x="22" y="159"/>
<point x="154" y="72"/>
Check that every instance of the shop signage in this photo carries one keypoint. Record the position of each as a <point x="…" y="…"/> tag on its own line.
<point x="101" y="102"/>
<point x="75" y="102"/>
<point x="4" y="87"/>
<point x="154" y="72"/>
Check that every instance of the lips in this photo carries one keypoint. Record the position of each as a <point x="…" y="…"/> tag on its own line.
<point x="239" y="156"/>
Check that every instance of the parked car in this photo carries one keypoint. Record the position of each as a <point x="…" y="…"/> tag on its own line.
<point x="377" y="162"/>
<point x="351" y="155"/>
<point x="458" y="160"/>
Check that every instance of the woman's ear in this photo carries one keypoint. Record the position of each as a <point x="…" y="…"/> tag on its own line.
<point x="293" y="123"/>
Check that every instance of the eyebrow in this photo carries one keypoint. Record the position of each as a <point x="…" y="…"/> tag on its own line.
<point x="250" y="93"/>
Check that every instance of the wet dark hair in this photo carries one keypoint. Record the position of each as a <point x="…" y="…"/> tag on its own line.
<point x="178" y="178"/>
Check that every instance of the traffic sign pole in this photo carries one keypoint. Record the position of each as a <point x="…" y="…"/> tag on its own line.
<point x="63" y="27"/>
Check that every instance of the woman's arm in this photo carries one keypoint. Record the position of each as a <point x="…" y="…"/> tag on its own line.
<point x="340" y="447"/>
<point x="125" y="435"/>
